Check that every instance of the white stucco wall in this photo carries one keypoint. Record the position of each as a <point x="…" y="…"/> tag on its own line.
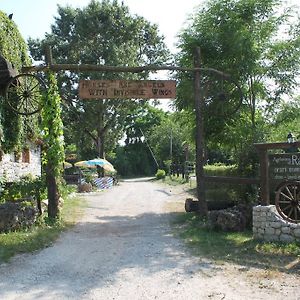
<point x="12" y="170"/>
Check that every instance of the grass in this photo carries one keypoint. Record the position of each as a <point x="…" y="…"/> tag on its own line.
<point x="239" y="248"/>
<point x="41" y="235"/>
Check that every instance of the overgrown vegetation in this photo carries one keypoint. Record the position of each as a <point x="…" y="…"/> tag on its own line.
<point x="26" y="187"/>
<point x="44" y="233"/>
<point x="13" y="48"/>
<point x="237" y="247"/>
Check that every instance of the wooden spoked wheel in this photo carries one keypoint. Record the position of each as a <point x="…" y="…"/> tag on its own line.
<point x="223" y="97"/>
<point x="24" y="94"/>
<point x="287" y="201"/>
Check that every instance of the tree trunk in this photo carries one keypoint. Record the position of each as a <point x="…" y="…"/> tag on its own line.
<point x="100" y="137"/>
<point x="53" y="193"/>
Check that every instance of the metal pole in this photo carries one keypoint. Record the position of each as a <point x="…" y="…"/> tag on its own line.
<point x="199" y="110"/>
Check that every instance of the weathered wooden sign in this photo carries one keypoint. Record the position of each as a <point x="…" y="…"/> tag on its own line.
<point x="127" y="89"/>
<point x="284" y="166"/>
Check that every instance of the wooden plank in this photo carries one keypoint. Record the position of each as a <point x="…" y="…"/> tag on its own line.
<point x="127" y="89"/>
<point x="278" y="145"/>
<point x="234" y="180"/>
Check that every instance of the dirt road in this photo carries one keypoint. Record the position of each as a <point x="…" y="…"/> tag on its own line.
<point x="123" y="248"/>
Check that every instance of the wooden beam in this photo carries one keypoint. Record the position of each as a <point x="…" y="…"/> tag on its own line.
<point x="234" y="180"/>
<point x="122" y="69"/>
<point x="280" y="145"/>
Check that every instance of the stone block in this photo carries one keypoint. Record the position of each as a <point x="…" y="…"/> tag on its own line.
<point x="286" y="238"/>
<point x="266" y="208"/>
<point x="295" y="226"/>
<point x="271" y="238"/>
<point x="269" y="231"/>
<point x="275" y="225"/>
<point x="296" y="232"/>
<point x="286" y="230"/>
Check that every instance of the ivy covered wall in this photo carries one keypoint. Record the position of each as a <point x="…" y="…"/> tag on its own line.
<point x="14" y="129"/>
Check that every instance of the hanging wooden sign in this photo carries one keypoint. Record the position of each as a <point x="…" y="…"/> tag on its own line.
<point x="127" y="89"/>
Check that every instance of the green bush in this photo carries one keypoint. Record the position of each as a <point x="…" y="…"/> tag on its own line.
<point x="160" y="174"/>
<point x="27" y="186"/>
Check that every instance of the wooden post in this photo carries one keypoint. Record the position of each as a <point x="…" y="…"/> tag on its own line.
<point x="264" y="177"/>
<point x="199" y="110"/>
<point x="48" y="56"/>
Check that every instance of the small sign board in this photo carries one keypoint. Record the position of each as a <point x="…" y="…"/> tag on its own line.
<point x="284" y="166"/>
<point x="127" y="89"/>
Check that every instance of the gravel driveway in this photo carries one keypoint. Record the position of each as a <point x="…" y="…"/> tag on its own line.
<point x="123" y="248"/>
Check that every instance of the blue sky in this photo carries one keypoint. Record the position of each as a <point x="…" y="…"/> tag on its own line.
<point x="34" y="17"/>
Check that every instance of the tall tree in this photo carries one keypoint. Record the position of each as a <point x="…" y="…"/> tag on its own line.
<point x="255" y="41"/>
<point x="101" y="33"/>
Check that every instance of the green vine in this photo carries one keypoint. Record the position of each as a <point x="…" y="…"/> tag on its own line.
<point x="53" y="128"/>
<point x="15" y="129"/>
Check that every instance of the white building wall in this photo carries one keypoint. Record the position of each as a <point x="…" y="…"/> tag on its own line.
<point x="13" y="171"/>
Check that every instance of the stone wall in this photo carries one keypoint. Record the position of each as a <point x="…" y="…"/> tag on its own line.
<point x="268" y="225"/>
<point x="13" y="169"/>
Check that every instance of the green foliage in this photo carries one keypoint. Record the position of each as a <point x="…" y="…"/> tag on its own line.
<point x="220" y="170"/>
<point x="134" y="159"/>
<point x="176" y="132"/>
<point x="26" y="187"/>
<point x="286" y="120"/>
<point x="101" y="33"/>
<point x="15" y="128"/>
<point x="245" y="39"/>
<point x="12" y="45"/>
<point x="160" y="174"/>
<point x="53" y="129"/>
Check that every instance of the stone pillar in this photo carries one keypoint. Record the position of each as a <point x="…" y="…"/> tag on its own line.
<point x="269" y="226"/>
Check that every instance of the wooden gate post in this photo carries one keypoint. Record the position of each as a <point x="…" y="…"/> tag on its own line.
<point x="264" y="177"/>
<point x="199" y="110"/>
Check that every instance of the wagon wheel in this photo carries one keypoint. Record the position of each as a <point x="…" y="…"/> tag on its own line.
<point x="287" y="201"/>
<point x="223" y="97"/>
<point x="24" y="94"/>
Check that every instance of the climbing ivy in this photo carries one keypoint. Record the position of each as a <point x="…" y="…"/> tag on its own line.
<point x="15" y="130"/>
<point x="53" y="156"/>
<point x="53" y="127"/>
<point x="12" y="45"/>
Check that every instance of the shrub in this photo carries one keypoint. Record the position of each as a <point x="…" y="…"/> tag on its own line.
<point x="27" y="186"/>
<point x="160" y="174"/>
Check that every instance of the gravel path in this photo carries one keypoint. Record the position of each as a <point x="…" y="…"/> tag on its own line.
<point x="123" y="248"/>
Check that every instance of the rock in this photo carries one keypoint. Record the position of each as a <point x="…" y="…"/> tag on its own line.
<point x="85" y="188"/>
<point x="16" y="215"/>
<point x="237" y="218"/>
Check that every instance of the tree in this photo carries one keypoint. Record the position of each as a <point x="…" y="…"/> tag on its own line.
<point x="173" y="139"/>
<point x="101" y="33"/>
<point x="135" y="157"/>
<point x="242" y="38"/>
<point x="287" y="120"/>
